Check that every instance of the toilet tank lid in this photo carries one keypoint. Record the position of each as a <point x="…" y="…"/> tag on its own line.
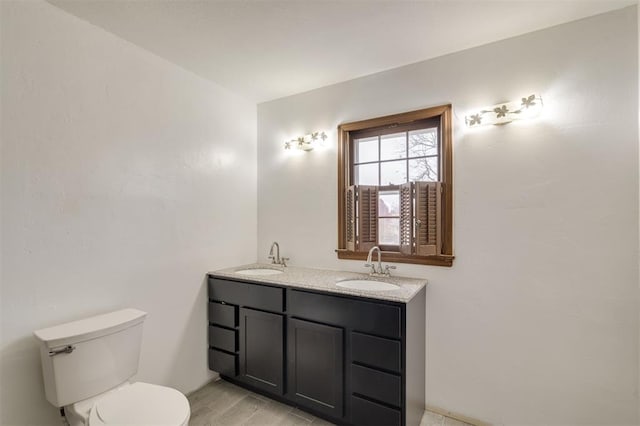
<point x="89" y="328"/>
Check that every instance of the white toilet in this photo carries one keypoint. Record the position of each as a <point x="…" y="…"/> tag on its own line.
<point x="87" y="365"/>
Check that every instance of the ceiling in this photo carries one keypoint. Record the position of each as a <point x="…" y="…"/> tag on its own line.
<point x="265" y="50"/>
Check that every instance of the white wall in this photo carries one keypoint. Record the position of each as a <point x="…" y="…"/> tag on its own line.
<point x="638" y="32"/>
<point x="537" y="321"/>
<point x="124" y="180"/>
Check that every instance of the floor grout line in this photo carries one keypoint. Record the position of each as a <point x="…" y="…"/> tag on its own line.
<point x="213" y="416"/>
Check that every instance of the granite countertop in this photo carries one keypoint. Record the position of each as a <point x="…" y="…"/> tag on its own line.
<point x="325" y="280"/>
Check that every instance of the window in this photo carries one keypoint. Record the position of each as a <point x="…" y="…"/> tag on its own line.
<point x="395" y="187"/>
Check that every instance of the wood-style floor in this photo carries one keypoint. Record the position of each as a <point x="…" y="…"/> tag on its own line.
<point x="221" y="403"/>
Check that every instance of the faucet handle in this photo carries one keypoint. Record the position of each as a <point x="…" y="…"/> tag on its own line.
<point x="283" y="260"/>
<point x="386" y="269"/>
<point x="372" y="266"/>
<point x="273" y="259"/>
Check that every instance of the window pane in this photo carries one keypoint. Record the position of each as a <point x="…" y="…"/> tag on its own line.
<point x="423" y="142"/>
<point x="366" y="174"/>
<point x="366" y="150"/>
<point x="393" y="172"/>
<point x="389" y="203"/>
<point x="423" y="169"/>
<point x="389" y="232"/>
<point x="393" y="146"/>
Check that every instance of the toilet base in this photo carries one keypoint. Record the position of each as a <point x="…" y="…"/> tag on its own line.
<point x="78" y="414"/>
<point x="92" y="411"/>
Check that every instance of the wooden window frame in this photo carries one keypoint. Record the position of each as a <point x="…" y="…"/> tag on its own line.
<point x="345" y="178"/>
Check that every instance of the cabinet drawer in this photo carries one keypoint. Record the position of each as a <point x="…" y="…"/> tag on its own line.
<point x="376" y="351"/>
<point x="244" y="294"/>
<point x="368" y="317"/>
<point x="224" y="363"/>
<point x="223" y="338"/>
<point x="223" y="314"/>
<point x="384" y="387"/>
<point x="367" y="413"/>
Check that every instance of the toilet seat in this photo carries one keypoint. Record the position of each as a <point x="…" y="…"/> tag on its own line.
<point x="141" y="404"/>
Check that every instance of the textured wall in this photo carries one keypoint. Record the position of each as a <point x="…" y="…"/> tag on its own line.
<point x="124" y="179"/>
<point x="537" y="321"/>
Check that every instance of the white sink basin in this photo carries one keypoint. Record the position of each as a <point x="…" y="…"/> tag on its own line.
<point x="367" y="285"/>
<point x="259" y="271"/>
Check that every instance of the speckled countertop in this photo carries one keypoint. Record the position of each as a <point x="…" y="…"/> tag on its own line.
<point x="325" y="280"/>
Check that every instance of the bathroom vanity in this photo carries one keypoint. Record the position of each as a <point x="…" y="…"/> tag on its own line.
<point x="349" y="356"/>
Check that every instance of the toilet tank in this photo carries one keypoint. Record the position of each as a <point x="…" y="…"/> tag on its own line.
<point x="84" y="358"/>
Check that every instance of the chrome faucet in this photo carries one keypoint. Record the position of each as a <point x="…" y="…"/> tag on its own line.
<point x="371" y="265"/>
<point x="379" y="272"/>
<point x="276" y="259"/>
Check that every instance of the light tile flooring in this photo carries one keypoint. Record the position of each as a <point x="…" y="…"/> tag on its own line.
<point x="221" y="403"/>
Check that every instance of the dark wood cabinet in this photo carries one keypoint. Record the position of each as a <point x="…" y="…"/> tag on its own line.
<point x="223" y="338"/>
<point x="366" y="412"/>
<point x="351" y="360"/>
<point x="316" y="366"/>
<point x="261" y="349"/>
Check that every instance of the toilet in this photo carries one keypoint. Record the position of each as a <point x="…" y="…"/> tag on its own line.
<point x="87" y="365"/>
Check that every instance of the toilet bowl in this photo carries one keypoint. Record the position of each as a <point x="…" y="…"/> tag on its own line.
<point x="132" y="404"/>
<point x="87" y="365"/>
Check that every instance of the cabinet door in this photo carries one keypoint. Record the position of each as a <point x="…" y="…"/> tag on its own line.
<point x="261" y="349"/>
<point x="315" y="366"/>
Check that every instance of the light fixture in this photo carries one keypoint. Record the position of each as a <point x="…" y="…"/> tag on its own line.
<point x="306" y="142"/>
<point x="528" y="107"/>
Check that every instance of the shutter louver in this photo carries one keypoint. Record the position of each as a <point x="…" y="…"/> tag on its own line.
<point x="350" y="218"/>
<point x="406" y="218"/>
<point x="428" y="218"/>
<point x="367" y="217"/>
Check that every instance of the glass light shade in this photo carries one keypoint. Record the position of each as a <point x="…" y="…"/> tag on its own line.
<point x="306" y="142"/>
<point x="526" y="108"/>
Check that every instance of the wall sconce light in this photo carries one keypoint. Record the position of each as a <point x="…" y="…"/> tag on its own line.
<point x="306" y="142"/>
<point x="528" y="107"/>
